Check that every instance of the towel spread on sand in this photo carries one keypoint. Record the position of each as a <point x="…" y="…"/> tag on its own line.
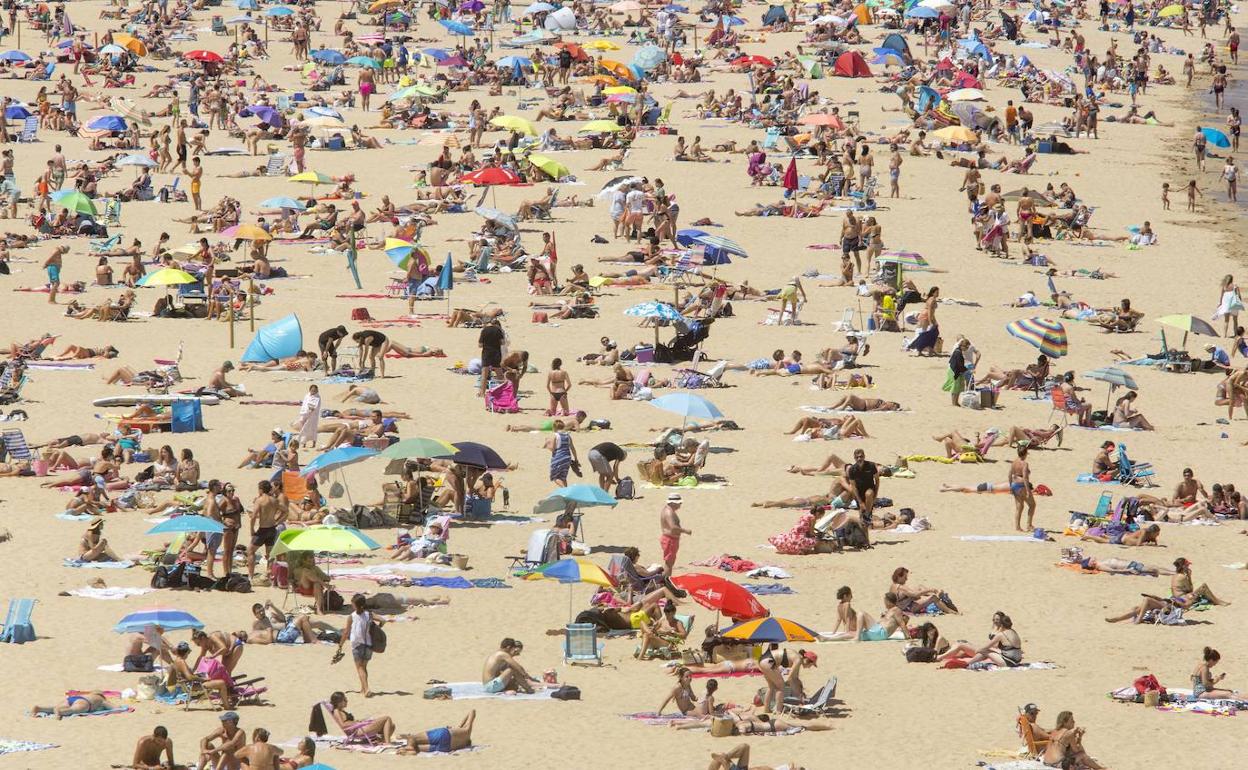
<point x="107" y="712"/>
<point x="110" y="593"/>
<point x="14" y="746"/>
<point x="769" y="589"/>
<point x="388" y="569"/>
<point x="983" y="665"/>
<point x="476" y="691"/>
<point x="651" y="718"/>
<point x="120" y="668"/>
<point x="77" y="564"/>
<point x="1001" y="538"/>
<point x="59" y="366"/>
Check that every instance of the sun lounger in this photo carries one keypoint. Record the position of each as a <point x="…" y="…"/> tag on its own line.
<point x="819" y="703"/>
<point x="17" y="626"/>
<point x="15" y="446"/>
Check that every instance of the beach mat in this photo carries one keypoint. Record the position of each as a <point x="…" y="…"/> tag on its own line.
<point x="476" y="691"/>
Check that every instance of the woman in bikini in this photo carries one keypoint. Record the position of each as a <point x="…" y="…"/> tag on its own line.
<point x="85" y="703"/>
<point x="1182" y="591"/>
<point x="681" y="694"/>
<point x="915" y="599"/>
<point x="1065" y="747"/>
<point x="853" y="403"/>
<point x="1004" y="648"/>
<point x="77" y="353"/>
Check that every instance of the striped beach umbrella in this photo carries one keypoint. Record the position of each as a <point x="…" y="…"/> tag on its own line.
<point x="904" y="258"/>
<point x="573" y="570"/>
<point x="1049" y="337"/>
<point x="769" y="630"/>
<point x="1114" y="376"/>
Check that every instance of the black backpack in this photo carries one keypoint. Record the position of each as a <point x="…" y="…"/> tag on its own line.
<point x="626" y="489"/>
<point x="566" y="692"/>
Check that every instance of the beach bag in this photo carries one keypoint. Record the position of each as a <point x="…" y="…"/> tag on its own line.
<point x="626" y="489"/>
<point x="566" y="692"/>
<point x="920" y="654"/>
<point x="360" y="314"/>
<point x="377" y="636"/>
<point x="160" y="578"/>
<point x="336" y="490"/>
<point x="1148" y="683"/>
<point x="138" y="663"/>
<point x="333" y="600"/>
<point x="441" y="692"/>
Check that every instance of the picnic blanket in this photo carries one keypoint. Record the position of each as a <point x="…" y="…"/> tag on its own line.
<point x="769" y="589"/>
<point x="476" y="691"/>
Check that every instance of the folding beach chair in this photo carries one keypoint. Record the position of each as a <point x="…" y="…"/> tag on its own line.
<point x="817" y="704"/>
<point x="846" y="324"/>
<point x="30" y="130"/>
<point x="17" y="626"/>
<point x="581" y="645"/>
<point x="15" y="446"/>
<point x="105" y="244"/>
<point x="1062" y="406"/>
<point x="502" y="398"/>
<point x="353" y="731"/>
<point x="112" y="212"/>
<point x="1136" y="474"/>
<point x="276" y="165"/>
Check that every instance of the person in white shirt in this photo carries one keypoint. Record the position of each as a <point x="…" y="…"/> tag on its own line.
<point x="357" y="631"/>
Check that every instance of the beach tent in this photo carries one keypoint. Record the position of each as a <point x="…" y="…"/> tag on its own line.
<point x="281" y="339"/>
<point x="928" y="98"/>
<point x="186" y="415"/>
<point x="862" y="13"/>
<point x="964" y="79"/>
<point x="898" y="44"/>
<point x="775" y="15"/>
<point x="851" y="65"/>
<point x="562" y="19"/>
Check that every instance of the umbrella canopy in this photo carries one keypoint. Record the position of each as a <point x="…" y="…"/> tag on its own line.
<point x="496" y="216"/>
<point x="1188" y="323"/>
<point x="602" y="45"/>
<point x="266" y="114"/>
<point x="283" y="202"/>
<point x="74" y="201"/>
<point x="456" y="27"/>
<point x="478" y="456"/>
<point x="338" y="458"/>
<point x="400" y="252"/>
<point x="687" y="405"/>
<point x="111" y="50"/>
<point x="419" y="447"/>
<point x="508" y="62"/>
<point x="653" y="309"/>
<point x="514" y="123"/>
<point x="1216" y="137"/>
<point x="135" y="160"/>
<point x="107" y="123"/>
<point x="168" y="276"/>
<point x="600" y="127"/>
<point x="776" y="630"/>
<point x="168" y="619"/>
<point x="822" y="119"/>
<point x="649" y="56"/>
<point x="446" y="276"/>
<point x="328" y="56"/>
<point x="19" y="112"/>
<point x="580" y="495"/>
<point x="722" y="595"/>
<point x="325" y="537"/>
<point x="955" y="134"/>
<point x="246" y="233"/>
<point x="491" y="175"/>
<point x="1171" y="10"/>
<point x="130" y="43"/>
<point x="551" y="167"/>
<point x="312" y="177"/>
<point x="279" y="10"/>
<point x="129" y="109"/>
<point x="187" y="524"/>
<point x="14" y="56"/>
<point x="790" y="175"/>
<point x="364" y="61"/>
<point x="1049" y="337"/>
<point x="203" y="56"/>
<point x="573" y="571"/>
<point x="903" y="258"/>
<point x="715" y="244"/>
<point x="1114" y="376"/>
<point x="965" y="95"/>
<point x="538" y="7"/>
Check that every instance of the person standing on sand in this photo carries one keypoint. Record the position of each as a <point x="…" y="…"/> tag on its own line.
<point x="670" y="531"/>
<point x="309" y="417"/>
<point x="53" y="266"/>
<point x="262" y="525"/>
<point x="197" y="175"/>
<point x="1199" y="143"/>
<point x="1231" y="174"/>
<point x="1232" y="42"/>
<point x="1192" y="192"/>
<point x="1020" y="488"/>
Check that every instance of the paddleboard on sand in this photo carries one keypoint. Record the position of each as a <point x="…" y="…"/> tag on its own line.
<point x="154" y="399"/>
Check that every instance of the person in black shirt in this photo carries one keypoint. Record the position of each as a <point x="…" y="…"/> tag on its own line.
<point x="373" y="348"/>
<point x="329" y="341"/>
<point x="491" y="342"/>
<point x="565" y="65"/>
<point x="958" y="369"/>
<point x="605" y="459"/>
<point x="863" y="480"/>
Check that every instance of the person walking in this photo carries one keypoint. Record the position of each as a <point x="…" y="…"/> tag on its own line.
<point x="670" y="531"/>
<point x="358" y="632"/>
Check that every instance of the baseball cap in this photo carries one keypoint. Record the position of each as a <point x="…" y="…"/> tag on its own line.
<point x="674" y="497"/>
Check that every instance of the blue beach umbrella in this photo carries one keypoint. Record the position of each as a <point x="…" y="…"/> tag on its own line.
<point x="281" y="339"/>
<point x="141" y="161"/>
<point x="652" y="309"/>
<point x="283" y="202"/>
<point x="247" y="5"/>
<point x="515" y="61"/>
<point x="279" y="10"/>
<point x="168" y="619"/>
<point x="16" y="112"/>
<point x="446" y="277"/>
<point x="687" y="405"/>
<point x="581" y="495"/>
<point x="15" y="56"/>
<point x="328" y="56"/>
<point x="187" y="524"/>
<point x="457" y="28"/>
<point x="437" y="53"/>
<point x="921" y="12"/>
<point x="1216" y="137"/>
<point x="107" y="123"/>
<point x="338" y="458"/>
<point x="365" y="61"/>
<point x="538" y="7"/>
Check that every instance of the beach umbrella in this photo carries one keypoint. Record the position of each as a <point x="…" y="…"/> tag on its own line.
<point x="508" y="62"/>
<point x="446" y="277"/>
<point x="602" y="45"/>
<point x="279" y="10"/>
<point x="920" y="12"/>
<point x="614" y="90"/>
<point x="1171" y="10"/>
<point x="74" y="201"/>
<point x="625" y="6"/>
<point x="572" y="571"/>
<point x="955" y="134"/>
<point x="313" y="178"/>
<point x="190" y="523"/>
<point x="514" y="123"/>
<point x="168" y="276"/>
<point x="135" y="160"/>
<point x="965" y="95"/>
<point x="538" y="7"/>
<point x="280" y="339"/>
<point x="453" y="61"/>
<point x="722" y="595"/>
<point x="166" y="618"/>
<point x="755" y="59"/>
<point x="377" y="5"/>
<point x="551" y="167"/>
<point x="283" y="202"/>
<point x="789" y="181"/>
<point x="578" y="53"/>
<point x="687" y="405"/>
<point x="491" y="175"/>
<point x="112" y="49"/>
<point x="129" y="109"/>
<point x="494" y="215"/>
<point x="471" y="6"/>
<point x="330" y="538"/>
<point x="15" y="56"/>
<point x="601" y="127"/>
<point x="419" y="447"/>
<point x="324" y="121"/>
<point x="477" y="455"/>
<point x="812" y="66"/>
<point x="364" y="61"/>
<point x="400" y="252"/>
<point x="246" y="18"/>
<point x="904" y="258"/>
<point x="653" y="309"/>
<point x="649" y="56"/>
<point x="715" y="244"/>
<point x="328" y="56"/>
<point x="265" y="113"/>
<point x="130" y="43"/>
<point x="822" y="119"/>
<point x="1216" y="137"/>
<point x="203" y="56"/>
<point x="246" y="233"/>
<point x="1189" y="324"/>
<point x="336" y="459"/>
<point x="456" y="27"/>
<point x="1116" y="378"/>
<point x="579" y="495"/>
<point x="17" y="112"/>
<point x="1049" y="337"/>
<point x="777" y="630"/>
<point x="246" y="5"/>
<point x="107" y="123"/>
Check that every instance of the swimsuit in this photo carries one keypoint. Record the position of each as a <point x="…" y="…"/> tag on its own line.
<point x="495" y="685"/>
<point x="440" y="740"/>
<point x="875" y="633"/>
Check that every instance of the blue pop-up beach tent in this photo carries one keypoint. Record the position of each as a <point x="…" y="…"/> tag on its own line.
<point x="281" y="339"/>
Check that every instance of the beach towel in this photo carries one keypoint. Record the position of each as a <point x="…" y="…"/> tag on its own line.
<point x="1016" y="764"/>
<point x="109" y="594"/>
<point x="67" y="516"/>
<point x="476" y="691"/>
<point x="15" y="746"/>
<point x="816" y="409"/>
<point x="109" y="712"/>
<point x="769" y="589"/>
<point x="651" y="718"/>
<point x="490" y="582"/>
<point x="1001" y="538"/>
<point x="388" y="569"/>
<point x="77" y="564"/>
<point x="59" y="366"/>
<point x="983" y="665"/>
<point x="438" y="582"/>
<point x="120" y="668"/>
<point x="846" y="636"/>
<point x="768" y="571"/>
<point x="720" y="675"/>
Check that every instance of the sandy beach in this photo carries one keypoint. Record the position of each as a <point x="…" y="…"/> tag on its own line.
<point x="891" y="713"/>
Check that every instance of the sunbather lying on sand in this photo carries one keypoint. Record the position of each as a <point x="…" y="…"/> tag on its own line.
<point x="442" y="740"/>
<point x="85" y="703"/>
<point x="78" y="353"/>
<point x="1146" y="536"/>
<point x="1075" y="555"/>
<point x="853" y="403"/>
<point x="847" y="426"/>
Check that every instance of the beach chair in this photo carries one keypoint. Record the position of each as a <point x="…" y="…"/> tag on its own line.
<point x="112" y="212"/>
<point x="771" y="139"/>
<point x="687" y="263"/>
<point x="846" y="324"/>
<point x="169" y="191"/>
<point x="15" y="446"/>
<point x="106" y="244"/>
<point x="17" y="626"/>
<point x="581" y="645"/>
<point x="542" y="548"/>
<point x="30" y="130"/>
<point x="218" y="26"/>
<point x="276" y="165"/>
<point x="815" y="705"/>
<point x="353" y="731"/>
<point x="1035" y="746"/>
<point x="1136" y="474"/>
<point x="502" y="398"/>
<point x="1062" y="406"/>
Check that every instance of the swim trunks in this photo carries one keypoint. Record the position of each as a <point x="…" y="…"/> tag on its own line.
<point x="495" y="685"/>
<point x="875" y="633"/>
<point x="440" y="740"/>
<point x="669" y="546"/>
<point x="264" y="536"/>
<point x="54" y="273"/>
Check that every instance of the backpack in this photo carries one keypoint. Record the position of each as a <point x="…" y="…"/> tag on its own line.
<point x="137" y="663"/>
<point x="920" y="654"/>
<point x="626" y="489"/>
<point x="233" y="582"/>
<point x="852" y="536"/>
<point x="377" y="635"/>
<point x="566" y="692"/>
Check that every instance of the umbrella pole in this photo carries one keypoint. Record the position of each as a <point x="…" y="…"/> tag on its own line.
<point x="251" y="303"/>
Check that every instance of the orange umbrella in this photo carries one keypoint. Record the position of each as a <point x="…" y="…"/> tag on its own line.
<point x="619" y="69"/>
<point x="605" y="80"/>
<point x="578" y="53"/>
<point x="822" y="119"/>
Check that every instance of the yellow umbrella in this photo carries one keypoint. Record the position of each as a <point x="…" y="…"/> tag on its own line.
<point x="1171" y="10"/>
<point x="514" y="123"/>
<point x="619" y="90"/>
<point x="550" y="166"/>
<point x="130" y="43"/>
<point x="955" y="134"/>
<point x="606" y="80"/>
<point x="249" y="233"/>
<point x="311" y="177"/>
<point x="167" y="277"/>
<point x="129" y="109"/>
<point x="379" y="4"/>
<point x="601" y="127"/>
<point x="602" y="45"/>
